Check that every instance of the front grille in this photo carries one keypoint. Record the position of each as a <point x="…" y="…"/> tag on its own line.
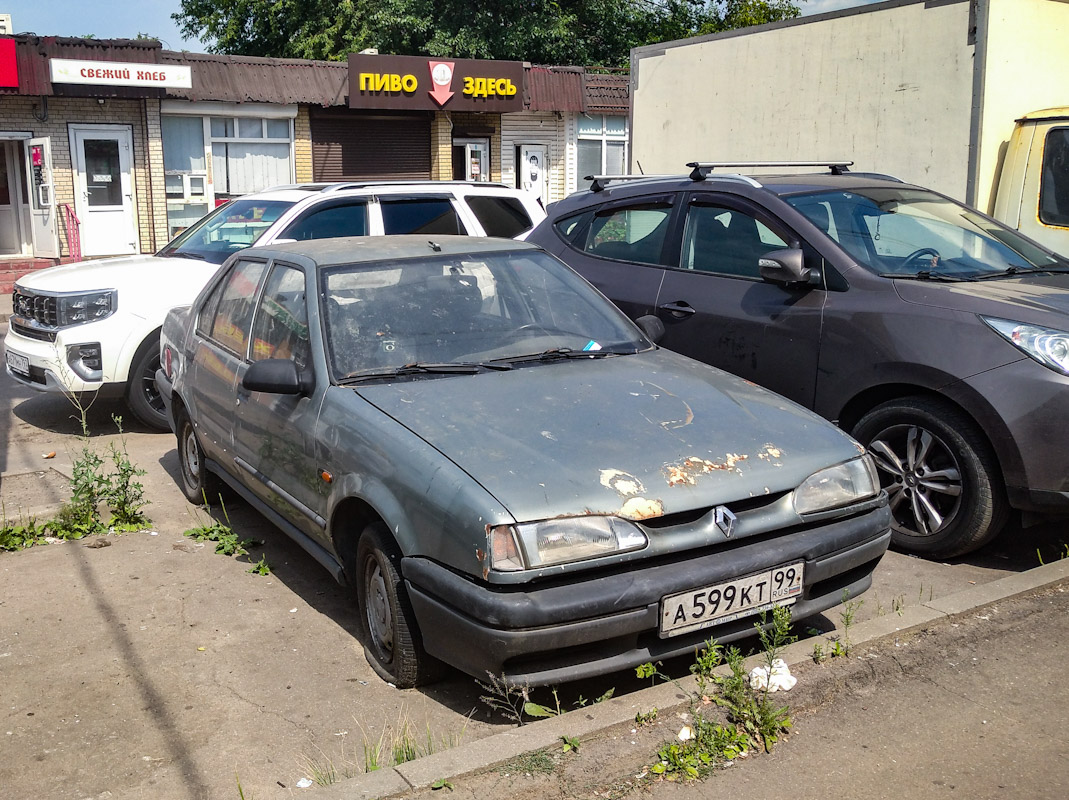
<point x="34" y="315"/>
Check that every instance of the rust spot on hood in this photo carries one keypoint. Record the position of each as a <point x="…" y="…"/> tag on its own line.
<point x="690" y="469"/>
<point x="639" y="508"/>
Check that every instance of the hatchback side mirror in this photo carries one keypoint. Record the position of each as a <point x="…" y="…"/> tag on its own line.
<point x="275" y="376"/>
<point x="651" y="326"/>
<point x="784" y="266"/>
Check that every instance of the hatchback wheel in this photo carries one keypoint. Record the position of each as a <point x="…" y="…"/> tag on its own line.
<point x="391" y="637"/>
<point x="942" y="479"/>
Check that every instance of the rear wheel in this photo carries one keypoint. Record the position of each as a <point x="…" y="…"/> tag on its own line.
<point x="942" y="480"/>
<point x="392" y="641"/>
<point x="142" y="396"/>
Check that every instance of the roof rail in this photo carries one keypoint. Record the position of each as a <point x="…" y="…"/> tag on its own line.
<point x="701" y="169"/>
<point x="341" y="186"/>
<point x="602" y="181"/>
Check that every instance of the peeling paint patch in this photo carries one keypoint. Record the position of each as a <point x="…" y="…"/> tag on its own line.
<point x="625" y="484"/>
<point x="771" y="452"/>
<point x="690" y="469"/>
<point x="638" y="508"/>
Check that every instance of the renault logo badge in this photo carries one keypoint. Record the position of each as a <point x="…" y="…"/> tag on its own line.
<point x="726" y="521"/>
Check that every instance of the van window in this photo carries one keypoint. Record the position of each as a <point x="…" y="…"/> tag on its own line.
<point x="1054" y="183"/>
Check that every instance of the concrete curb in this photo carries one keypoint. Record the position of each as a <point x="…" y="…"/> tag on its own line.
<point x="501" y="747"/>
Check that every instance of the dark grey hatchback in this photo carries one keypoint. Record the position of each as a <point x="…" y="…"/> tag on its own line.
<point x="936" y="335"/>
<point x="506" y="470"/>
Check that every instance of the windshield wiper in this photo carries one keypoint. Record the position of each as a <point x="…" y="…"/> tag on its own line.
<point x="928" y="275"/>
<point x="181" y="254"/>
<point x="421" y="368"/>
<point x="559" y="353"/>
<point x="1017" y="269"/>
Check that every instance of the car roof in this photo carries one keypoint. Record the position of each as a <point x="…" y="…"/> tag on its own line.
<point x="358" y="249"/>
<point x="779" y="184"/>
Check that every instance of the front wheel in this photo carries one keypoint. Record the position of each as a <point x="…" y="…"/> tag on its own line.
<point x="942" y="480"/>
<point x="142" y="396"/>
<point x="198" y="485"/>
<point x="392" y="642"/>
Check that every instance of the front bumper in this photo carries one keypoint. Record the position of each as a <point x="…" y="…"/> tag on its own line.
<point x="568" y="629"/>
<point x="1022" y="412"/>
<point x="48" y="367"/>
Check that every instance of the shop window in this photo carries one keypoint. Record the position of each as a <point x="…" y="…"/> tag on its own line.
<point x="250" y="154"/>
<point x="185" y="171"/>
<point x="602" y="146"/>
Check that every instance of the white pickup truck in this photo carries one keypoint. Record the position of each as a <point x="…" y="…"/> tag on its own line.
<point x="95" y="326"/>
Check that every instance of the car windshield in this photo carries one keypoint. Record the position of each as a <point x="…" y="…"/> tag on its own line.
<point x="473" y="311"/>
<point x="915" y="233"/>
<point x="231" y="227"/>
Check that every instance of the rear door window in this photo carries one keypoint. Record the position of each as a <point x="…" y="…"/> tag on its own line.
<point x="330" y="222"/>
<point x="420" y="215"/>
<point x="629" y="233"/>
<point x="500" y="216"/>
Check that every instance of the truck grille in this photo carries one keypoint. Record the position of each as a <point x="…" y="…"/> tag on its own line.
<point x="34" y="315"/>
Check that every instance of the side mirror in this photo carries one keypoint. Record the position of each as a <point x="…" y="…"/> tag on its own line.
<point x="274" y="376"/>
<point x="651" y="326"/>
<point x="784" y="266"/>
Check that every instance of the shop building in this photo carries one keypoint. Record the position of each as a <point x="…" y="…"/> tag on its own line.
<point x="111" y="147"/>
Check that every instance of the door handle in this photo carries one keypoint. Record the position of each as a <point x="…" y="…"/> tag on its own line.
<point x="678" y="307"/>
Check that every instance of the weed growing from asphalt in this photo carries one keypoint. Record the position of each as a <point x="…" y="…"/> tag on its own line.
<point x="226" y="541"/>
<point x="441" y="783"/>
<point x="847" y="615"/>
<point x="261" y="567"/>
<point x="1062" y="554"/>
<point x="513" y="700"/>
<point x="753" y="719"/>
<point x="569" y="744"/>
<point x="126" y="494"/>
<point x="19" y="536"/>
<point x="647" y="717"/>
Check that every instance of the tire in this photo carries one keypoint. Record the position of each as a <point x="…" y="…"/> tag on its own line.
<point x="198" y="485"/>
<point x="392" y="642"/>
<point x="942" y="479"/>
<point x="142" y="396"/>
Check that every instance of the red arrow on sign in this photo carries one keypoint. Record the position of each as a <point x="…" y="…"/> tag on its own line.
<point x="441" y="81"/>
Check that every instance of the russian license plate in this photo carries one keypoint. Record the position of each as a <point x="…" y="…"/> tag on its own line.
<point x="19" y="364"/>
<point x="723" y="602"/>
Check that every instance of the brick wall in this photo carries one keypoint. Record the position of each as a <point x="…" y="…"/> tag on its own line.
<point x="31" y="114"/>
<point x="302" y="146"/>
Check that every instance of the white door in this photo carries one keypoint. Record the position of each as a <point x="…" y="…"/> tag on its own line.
<point x="533" y="170"/>
<point x="475" y="159"/>
<point x="104" y="189"/>
<point x="43" y="225"/>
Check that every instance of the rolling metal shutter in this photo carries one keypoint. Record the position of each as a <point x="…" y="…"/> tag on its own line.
<point x="348" y="145"/>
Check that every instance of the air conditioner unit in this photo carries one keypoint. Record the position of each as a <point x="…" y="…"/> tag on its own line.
<point x="5" y="25"/>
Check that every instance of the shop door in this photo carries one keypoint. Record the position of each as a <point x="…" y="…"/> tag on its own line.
<point x="471" y="159"/>
<point x="532" y="170"/>
<point x="104" y="189"/>
<point x="10" y="237"/>
<point x="43" y="225"/>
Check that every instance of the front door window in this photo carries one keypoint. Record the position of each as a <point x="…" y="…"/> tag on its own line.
<point x="103" y="175"/>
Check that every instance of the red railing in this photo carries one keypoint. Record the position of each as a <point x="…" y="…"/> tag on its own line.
<point x="74" y="233"/>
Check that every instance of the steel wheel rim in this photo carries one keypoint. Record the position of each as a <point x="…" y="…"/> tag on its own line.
<point x="191" y="457"/>
<point x="922" y="478"/>
<point x="377" y="608"/>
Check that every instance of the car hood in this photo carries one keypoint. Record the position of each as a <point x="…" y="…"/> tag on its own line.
<point x="111" y="273"/>
<point x="1040" y="299"/>
<point x="638" y="436"/>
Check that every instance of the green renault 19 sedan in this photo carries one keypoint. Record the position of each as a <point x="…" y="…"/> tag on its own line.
<point x="511" y="476"/>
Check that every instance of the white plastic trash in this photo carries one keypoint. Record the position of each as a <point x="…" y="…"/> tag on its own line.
<point x="780" y="680"/>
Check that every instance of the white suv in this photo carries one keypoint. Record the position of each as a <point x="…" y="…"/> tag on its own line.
<point x="95" y="326"/>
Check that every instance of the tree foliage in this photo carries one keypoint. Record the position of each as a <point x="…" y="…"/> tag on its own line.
<point x="586" y="32"/>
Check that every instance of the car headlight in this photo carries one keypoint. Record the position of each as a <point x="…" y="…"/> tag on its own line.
<point x="561" y="541"/>
<point x="76" y="309"/>
<point x="1048" y="346"/>
<point x="837" y="486"/>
